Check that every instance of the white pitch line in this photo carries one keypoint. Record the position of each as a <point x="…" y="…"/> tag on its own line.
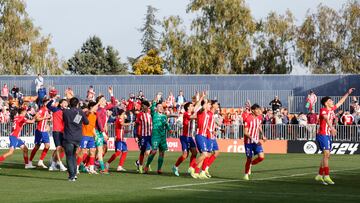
<point x="238" y="180"/>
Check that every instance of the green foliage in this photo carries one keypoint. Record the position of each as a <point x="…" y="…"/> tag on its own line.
<point x="94" y="59"/>
<point x="23" y="50"/>
<point x="150" y="64"/>
<point x="149" y="40"/>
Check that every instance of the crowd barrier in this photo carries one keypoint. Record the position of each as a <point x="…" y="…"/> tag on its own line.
<point x="282" y="139"/>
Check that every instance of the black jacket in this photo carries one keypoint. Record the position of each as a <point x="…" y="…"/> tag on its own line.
<point x="73" y="120"/>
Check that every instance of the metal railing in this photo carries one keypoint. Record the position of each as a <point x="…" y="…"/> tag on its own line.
<point x="271" y="131"/>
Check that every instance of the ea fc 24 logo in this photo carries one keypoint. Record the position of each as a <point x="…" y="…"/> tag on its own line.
<point x="310" y="147"/>
<point x="337" y="148"/>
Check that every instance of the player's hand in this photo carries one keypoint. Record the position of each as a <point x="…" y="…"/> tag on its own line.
<point x="110" y="90"/>
<point x="333" y="131"/>
<point x="136" y="140"/>
<point x="351" y="90"/>
<point x="264" y="139"/>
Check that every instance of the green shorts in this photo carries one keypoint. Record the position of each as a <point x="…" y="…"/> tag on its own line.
<point x="159" y="144"/>
<point x="99" y="139"/>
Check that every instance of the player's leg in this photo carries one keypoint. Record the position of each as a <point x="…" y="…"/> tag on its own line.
<point x="124" y="152"/>
<point x="7" y="154"/>
<point x="37" y="143"/>
<point x="184" y="155"/>
<point x="26" y="157"/>
<point x="162" y="149"/>
<point x="115" y="155"/>
<point x="58" y="138"/>
<point x="260" y="158"/>
<point x="92" y="161"/>
<point x="192" y="164"/>
<point x="249" y="155"/>
<point x="325" y="145"/>
<point x="46" y="142"/>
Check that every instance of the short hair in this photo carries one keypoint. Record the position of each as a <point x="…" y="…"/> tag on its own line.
<point x="98" y="98"/>
<point x="74" y="102"/>
<point x="255" y="106"/>
<point x="187" y="105"/>
<point x="121" y="111"/>
<point x="146" y="103"/>
<point x="91" y="104"/>
<point x="324" y="100"/>
<point x="213" y="102"/>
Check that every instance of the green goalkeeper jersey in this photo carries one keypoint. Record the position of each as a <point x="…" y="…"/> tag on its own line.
<point x="160" y="124"/>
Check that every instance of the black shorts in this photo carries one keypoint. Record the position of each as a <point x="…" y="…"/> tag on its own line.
<point x="58" y="138"/>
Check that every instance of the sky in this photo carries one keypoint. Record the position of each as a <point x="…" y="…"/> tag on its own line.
<point x="71" y="22"/>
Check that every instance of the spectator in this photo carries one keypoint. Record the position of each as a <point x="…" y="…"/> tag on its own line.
<point x="141" y="96"/>
<point x="90" y="94"/>
<point x="311" y="100"/>
<point x="170" y="100"/>
<point x="312" y="117"/>
<point x="5" y="92"/>
<point x="302" y="119"/>
<point x="69" y="93"/>
<point x="269" y="117"/>
<point x="347" y="118"/>
<point x="180" y="100"/>
<point x="4" y="115"/>
<point x="53" y="92"/>
<point x="39" y="81"/>
<point x="41" y="95"/>
<point x="275" y="104"/>
<point x="285" y="116"/>
<point x="14" y="91"/>
<point x="354" y="106"/>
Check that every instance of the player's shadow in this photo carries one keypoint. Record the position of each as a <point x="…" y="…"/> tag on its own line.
<point x="151" y="173"/>
<point x="285" y="169"/>
<point x="32" y="177"/>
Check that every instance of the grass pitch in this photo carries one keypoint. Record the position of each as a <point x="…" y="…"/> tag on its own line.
<point x="280" y="178"/>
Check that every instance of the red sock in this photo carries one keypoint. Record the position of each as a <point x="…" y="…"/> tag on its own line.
<point x="85" y="156"/>
<point x="122" y="159"/>
<point x="62" y="154"/>
<point x="205" y="163"/>
<point x="211" y="160"/>
<point x="326" y="171"/>
<point x="2" y="158"/>
<point x="257" y="160"/>
<point x="86" y="161"/>
<point x="92" y="161"/>
<point x="247" y="165"/>
<point x="33" y="152"/>
<point x="179" y="161"/>
<point x="26" y="158"/>
<point x="321" y="171"/>
<point x="192" y="161"/>
<point x="197" y="169"/>
<point x="43" y="153"/>
<point x="113" y="157"/>
<point x="141" y="159"/>
<point x="78" y="160"/>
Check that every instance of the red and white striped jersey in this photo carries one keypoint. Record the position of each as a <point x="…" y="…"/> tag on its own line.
<point x="253" y="124"/>
<point x="119" y="129"/>
<point x="144" y="122"/>
<point x="42" y="125"/>
<point x="210" y="132"/>
<point x="324" y="128"/>
<point x="186" y="124"/>
<point x="18" y="124"/>
<point x="202" y="123"/>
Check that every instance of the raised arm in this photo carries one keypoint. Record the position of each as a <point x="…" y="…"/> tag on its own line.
<point x="342" y="100"/>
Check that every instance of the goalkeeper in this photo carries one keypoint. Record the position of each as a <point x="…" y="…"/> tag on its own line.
<point x="158" y="139"/>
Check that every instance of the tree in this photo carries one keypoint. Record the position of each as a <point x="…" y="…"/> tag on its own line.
<point x="274" y="43"/>
<point x="23" y="50"/>
<point x="149" y="40"/>
<point x="150" y="64"/>
<point x="93" y="58"/>
<point x="319" y="41"/>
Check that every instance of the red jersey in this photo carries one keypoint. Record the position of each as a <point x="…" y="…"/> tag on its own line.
<point x="210" y="131"/>
<point x="245" y="114"/>
<point x="252" y="123"/>
<point x="347" y="119"/>
<point x="18" y="124"/>
<point x="186" y="124"/>
<point x="131" y="105"/>
<point x="324" y="129"/>
<point x="144" y="122"/>
<point x="119" y="129"/>
<point x="202" y="123"/>
<point x="101" y="116"/>
<point x="42" y="125"/>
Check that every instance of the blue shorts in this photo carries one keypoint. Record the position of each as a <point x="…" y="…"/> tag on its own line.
<point x="121" y="146"/>
<point x="15" y="142"/>
<point x="145" y="143"/>
<point x="41" y="137"/>
<point x="253" y="149"/>
<point x="87" y="142"/>
<point x="324" y="141"/>
<point x="213" y="145"/>
<point x="202" y="143"/>
<point x="187" y="143"/>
